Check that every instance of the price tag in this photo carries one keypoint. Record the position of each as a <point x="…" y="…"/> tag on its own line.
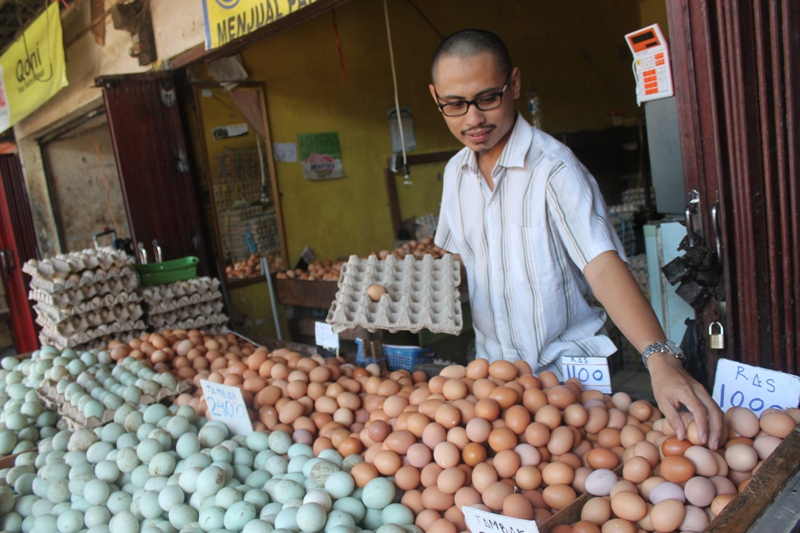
<point x="225" y="403"/>
<point x="741" y="385"/>
<point x="592" y="372"/>
<point x="325" y="336"/>
<point x="482" y="522"/>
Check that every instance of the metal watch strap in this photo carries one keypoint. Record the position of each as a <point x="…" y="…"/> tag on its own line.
<point x="664" y="346"/>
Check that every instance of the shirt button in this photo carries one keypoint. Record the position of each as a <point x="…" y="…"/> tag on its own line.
<point x="494" y="241"/>
<point x="491" y="204"/>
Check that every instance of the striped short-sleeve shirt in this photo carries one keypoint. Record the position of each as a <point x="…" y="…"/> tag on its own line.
<point x="525" y="245"/>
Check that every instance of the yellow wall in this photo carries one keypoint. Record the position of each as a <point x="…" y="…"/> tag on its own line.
<point x="573" y="53"/>
<point x="654" y="12"/>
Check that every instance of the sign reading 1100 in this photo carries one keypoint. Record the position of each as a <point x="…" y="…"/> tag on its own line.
<point x="592" y="372"/>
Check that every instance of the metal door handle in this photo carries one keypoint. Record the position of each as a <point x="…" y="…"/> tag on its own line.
<point x="142" y="254"/>
<point x="157" y="249"/>
<point x="715" y="227"/>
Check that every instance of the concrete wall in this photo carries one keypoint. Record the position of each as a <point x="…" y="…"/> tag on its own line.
<point x="573" y="53"/>
<point x="178" y="26"/>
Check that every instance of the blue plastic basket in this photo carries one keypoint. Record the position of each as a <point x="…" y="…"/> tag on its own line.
<point x="398" y="357"/>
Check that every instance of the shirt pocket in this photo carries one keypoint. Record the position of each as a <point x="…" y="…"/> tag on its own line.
<point x="543" y="274"/>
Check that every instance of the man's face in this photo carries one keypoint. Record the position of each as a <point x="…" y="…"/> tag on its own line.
<point x="468" y="78"/>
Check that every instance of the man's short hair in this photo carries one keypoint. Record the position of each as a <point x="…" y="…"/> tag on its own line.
<point x="469" y="43"/>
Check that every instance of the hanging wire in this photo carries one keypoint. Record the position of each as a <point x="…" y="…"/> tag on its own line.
<point x="406" y="180"/>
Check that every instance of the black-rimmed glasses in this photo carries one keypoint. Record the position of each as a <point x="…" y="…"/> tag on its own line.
<point x="486" y="102"/>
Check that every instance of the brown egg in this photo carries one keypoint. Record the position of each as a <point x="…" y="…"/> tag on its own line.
<point x="777" y="424"/>
<point x="528" y="478"/>
<point x="618" y="525"/>
<point x="548" y="380"/>
<point x="584" y="526"/>
<point x="561" y="396"/>
<point x="517" y="419"/>
<point x="602" y="458"/>
<point x="483" y="475"/>
<point x="446" y="454"/>
<point x="576" y="415"/>
<point x="419" y="455"/>
<point x="534" y="399"/>
<point x="502" y="439"/>
<point x="433" y="435"/>
<point x="561" y="440"/>
<point x="433" y="498"/>
<point x="378" y="430"/>
<point x="494" y="495"/>
<point x="375" y="292"/>
<point x="673" y="446"/>
<point x="719" y="503"/>
<point x="608" y="437"/>
<point x="596" y="510"/>
<point x="558" y="473"/>
<point x="447" y="416"/>
<point x="647" y="450"/>
<point x="363" y="473"/>
<point x="387" y="462"/>
<point x="505" y="396"/>
<point x="629" y="506"/>
<point x="502" y="369"/>
<point x="537" y="434"/>
<point x="598" y="419"/>
<point x="676" y="469"/>
<point x="506" y="462"/>
<point x="473" y="454"/>
<point x="558" y="496"/>
<point x="400" y="442"/>
<point x="667" y="515"/>
<point x="441" y="526"/>
<point x="406" y="478"/>
<point x="488" y="409"/>
<point x="450" y="480"/>
<point x="549" y="415"/>
<point x="741" y="457"/>
<point x="517" y="506"/>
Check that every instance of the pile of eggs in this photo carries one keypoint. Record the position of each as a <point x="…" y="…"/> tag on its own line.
<point x="24" y="419"/>
<point x="671" y="485"/>
<point x="158" y="470"/>
<point x="94" y="387"/>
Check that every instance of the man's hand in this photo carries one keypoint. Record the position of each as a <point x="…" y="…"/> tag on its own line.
<point x="673" y="387"/>
<point x="614" y="287"/>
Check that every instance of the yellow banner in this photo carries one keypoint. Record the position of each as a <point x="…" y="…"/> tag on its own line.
<point x="227" y="20"/>
<point x="33" y="69"/>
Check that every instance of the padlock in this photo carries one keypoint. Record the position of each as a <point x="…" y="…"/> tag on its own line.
<point x="716" y="341"/>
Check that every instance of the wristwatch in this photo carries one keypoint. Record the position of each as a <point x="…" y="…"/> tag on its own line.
<point x="662" y="347"/>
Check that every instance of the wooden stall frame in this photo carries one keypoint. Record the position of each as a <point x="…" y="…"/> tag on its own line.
<point x="391" y="186"/>
<point x="276" y="194"/>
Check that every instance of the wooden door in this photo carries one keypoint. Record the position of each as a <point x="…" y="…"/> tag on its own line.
<point x="737" y="73"/>
<point x="147" y="129"/>
<point x="17" y="245"/>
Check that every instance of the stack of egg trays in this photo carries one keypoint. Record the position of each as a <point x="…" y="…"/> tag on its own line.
<point x="77" y="420"/>
<point x="85" y="297"/>
<point x="191" y="304"/>
<point x="420" y="294"/>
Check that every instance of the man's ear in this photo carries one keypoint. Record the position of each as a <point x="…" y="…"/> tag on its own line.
<point x="516" y="82"/>
<point x="433" y="94"/>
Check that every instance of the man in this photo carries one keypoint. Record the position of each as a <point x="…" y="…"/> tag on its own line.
<point x="531" y="228"/>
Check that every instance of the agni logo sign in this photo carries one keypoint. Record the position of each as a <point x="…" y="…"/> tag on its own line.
<point x="31" y="69"/>
<point x="227" y="4"/>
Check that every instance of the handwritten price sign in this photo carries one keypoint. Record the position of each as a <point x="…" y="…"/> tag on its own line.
<point x="226" y="405"/>
<point x="741" y="385"/>
<point x="592" y="372"/>
<point x="482" y="522"/>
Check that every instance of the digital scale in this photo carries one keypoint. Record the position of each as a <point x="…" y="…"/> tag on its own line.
<point x="651" y="64"/>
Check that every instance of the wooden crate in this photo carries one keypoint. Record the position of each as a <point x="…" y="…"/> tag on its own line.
<point x="304" y="293"/>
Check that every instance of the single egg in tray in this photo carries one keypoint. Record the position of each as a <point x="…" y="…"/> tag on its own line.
<point x="420" y="294"/>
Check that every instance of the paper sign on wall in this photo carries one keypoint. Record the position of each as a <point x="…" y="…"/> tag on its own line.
<point x="325" y="336"/>
<point x="225" y="403"/>
<point x="651" y="64"/>
<point x="592" y="372"/>
<point x="320" y="156"/>
<point x="482" y="522"/>
<point x="741" y="385"/>
<point x="229" y="132"/>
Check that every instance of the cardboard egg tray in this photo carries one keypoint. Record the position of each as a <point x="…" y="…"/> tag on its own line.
<point x="172" y="321"/>
<point x="63" y="340"/>
<point x="421" y="294"/>
<point x="80" y="326"/>
<point x="103" y="258"/>
<point x="194" y="301"/>
<point x="124" y="277"/>
<point x="75" y="418"/>
<point x="202" y="286"/>
<point x="48" y="338"/>
<point x="80" y="302"/>
<point x="104" y="315"/>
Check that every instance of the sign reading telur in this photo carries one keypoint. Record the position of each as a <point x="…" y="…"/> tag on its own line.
<point x="227" y="20"/>
<point x="32" y="70"/>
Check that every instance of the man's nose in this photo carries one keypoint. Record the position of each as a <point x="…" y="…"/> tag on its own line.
<point x="474" y="116"/>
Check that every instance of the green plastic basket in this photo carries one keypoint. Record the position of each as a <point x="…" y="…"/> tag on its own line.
<point x="167" y="272"/>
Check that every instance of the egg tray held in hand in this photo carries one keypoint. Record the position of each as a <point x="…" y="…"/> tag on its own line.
<point x="83" y="408"/>
<point x="420" y="294"/>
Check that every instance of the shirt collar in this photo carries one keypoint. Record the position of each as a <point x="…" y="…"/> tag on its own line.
<point x="514" y="152"/>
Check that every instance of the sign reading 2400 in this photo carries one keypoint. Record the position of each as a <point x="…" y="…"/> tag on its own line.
<point x="227" y="4"/>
